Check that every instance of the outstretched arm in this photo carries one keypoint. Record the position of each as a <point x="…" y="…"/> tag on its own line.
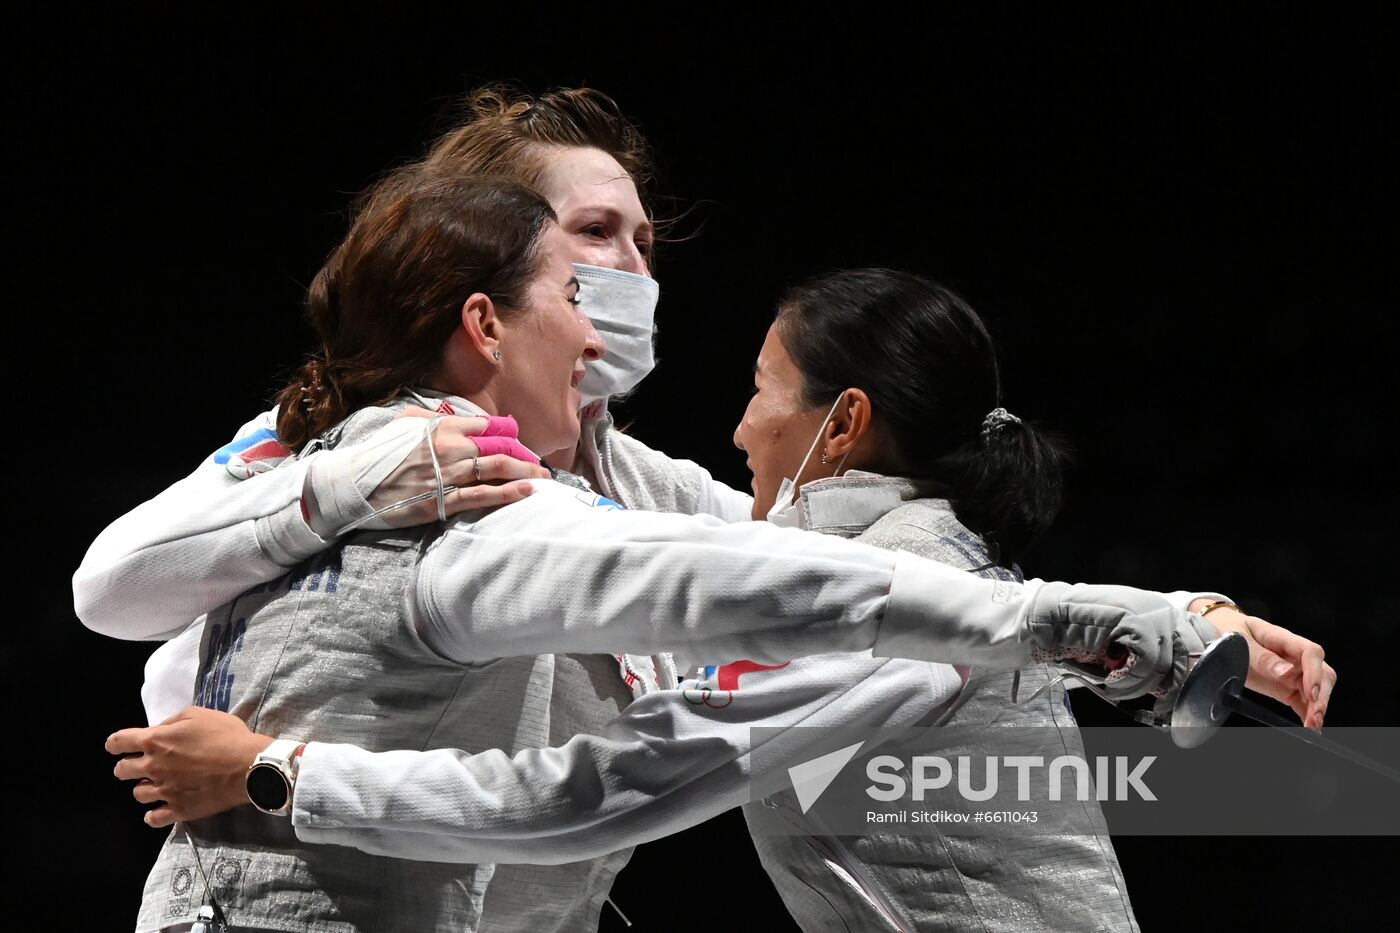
<point x="668" y="761"/>
<point x="647" y="582"/>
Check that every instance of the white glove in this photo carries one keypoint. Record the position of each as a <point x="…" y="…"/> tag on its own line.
<point x="1091" y="625"/>
<point x="411" y="471"/>
<point x="346" y="486"/>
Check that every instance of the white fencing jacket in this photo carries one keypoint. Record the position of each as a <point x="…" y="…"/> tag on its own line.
<point x="568" y="571"/>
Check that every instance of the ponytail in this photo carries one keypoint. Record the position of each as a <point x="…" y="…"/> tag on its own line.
<point x="1007" y="484"/>
<point x="311" y="402"/>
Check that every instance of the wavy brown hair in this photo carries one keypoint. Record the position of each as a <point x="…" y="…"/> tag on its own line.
<point x="508" y="133"/>
<point x="388" y="298"/>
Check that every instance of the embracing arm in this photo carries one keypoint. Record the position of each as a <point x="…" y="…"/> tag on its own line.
<point x="213" y="535"/>
<point x="667" y="762"/>
<point x="191" y="548"/>
<point x="647" y="582"/>
<point x="1282" y="665"/>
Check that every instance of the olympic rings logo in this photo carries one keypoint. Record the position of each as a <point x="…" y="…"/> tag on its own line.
<point x="704" y="696"/>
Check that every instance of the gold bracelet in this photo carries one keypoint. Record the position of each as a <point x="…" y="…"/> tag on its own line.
<point x="1218" y="604"/>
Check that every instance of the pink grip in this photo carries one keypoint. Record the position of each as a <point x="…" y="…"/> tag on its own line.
<point x="501" y="426"/>
<point x="489" y="446"/>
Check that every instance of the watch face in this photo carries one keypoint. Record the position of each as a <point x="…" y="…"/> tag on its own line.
<point x="267" y="788"/>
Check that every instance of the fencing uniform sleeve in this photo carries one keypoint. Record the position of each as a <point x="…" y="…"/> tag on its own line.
<point x="224" y="528"/>
<point x="551" y="574"/>
<point x="170" y="674"/>
<point x="670" y="760"/>
<point x="1182" y="599"/>
<point x="193" y="547"/>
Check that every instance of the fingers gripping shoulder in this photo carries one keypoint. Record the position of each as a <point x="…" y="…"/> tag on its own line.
<point x="340" y="481"/>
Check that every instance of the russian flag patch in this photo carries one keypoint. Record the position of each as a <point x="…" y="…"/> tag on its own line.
<point x="248" y="456"/>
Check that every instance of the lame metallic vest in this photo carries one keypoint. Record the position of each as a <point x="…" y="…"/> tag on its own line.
<point x="326" y="651"/>
<point x="987" y="884"/>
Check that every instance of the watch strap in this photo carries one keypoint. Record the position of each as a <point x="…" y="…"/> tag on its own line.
<point x="279" y="758"/>
<point x="283" y="750"/>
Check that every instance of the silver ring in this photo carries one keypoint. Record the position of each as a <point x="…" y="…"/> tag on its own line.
<point x="476" y="468"/>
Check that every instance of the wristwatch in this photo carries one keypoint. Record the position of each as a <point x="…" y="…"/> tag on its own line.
<point x="273" y="775"/>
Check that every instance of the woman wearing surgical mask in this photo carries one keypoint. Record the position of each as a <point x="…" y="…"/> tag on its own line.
<point x="883" y="370"/>
<point x="216" y="533"/>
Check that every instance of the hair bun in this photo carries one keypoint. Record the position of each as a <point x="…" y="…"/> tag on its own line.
<point x="996" y="419"/>
<point x="313" y="383"/>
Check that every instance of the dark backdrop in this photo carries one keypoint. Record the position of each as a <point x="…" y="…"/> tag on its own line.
<point x="1182" y="234"/>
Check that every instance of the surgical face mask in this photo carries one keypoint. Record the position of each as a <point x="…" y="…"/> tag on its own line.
<point x="622" y="307"/>
<point x="787" y="509"/>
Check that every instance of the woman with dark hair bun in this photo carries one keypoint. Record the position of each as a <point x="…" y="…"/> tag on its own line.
<point x="893" y="382"/>
<point x="923" y="360"/>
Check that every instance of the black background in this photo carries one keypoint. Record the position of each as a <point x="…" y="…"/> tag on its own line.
<point x="1182" y="232"/>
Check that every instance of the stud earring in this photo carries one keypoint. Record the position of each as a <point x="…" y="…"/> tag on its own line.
<point x="497" y="355"/>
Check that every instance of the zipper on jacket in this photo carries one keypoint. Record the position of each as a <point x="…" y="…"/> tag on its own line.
<point x="605" y="465"/>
